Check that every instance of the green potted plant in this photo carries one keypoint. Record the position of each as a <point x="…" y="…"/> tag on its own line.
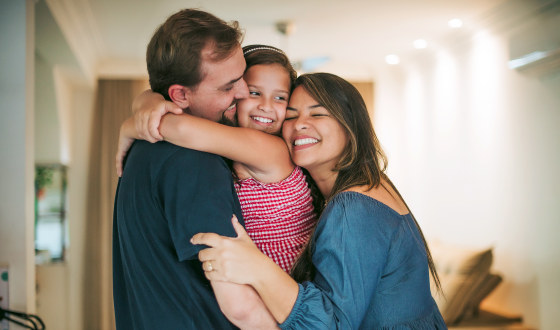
<point x="43" y="178"/>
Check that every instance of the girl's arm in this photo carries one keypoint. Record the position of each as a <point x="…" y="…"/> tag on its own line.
<point x="127" y="135"/>
<point x="265" y="156"/>
<point x="148" y="108"/>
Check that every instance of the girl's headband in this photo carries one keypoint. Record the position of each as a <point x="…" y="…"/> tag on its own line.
<point x="263" y="48"/>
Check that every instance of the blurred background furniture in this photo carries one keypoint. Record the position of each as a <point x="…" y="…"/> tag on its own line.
<point x="466" y="279"/>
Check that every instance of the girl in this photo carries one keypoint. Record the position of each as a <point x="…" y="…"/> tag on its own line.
<point x="275" y="198"/>
<point x="366" y="266"/>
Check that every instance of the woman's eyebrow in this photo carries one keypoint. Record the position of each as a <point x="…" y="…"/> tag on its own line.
<point x="309" y="107"/>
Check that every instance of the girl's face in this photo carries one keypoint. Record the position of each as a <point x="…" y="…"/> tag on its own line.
<point x="269" y="90"/>
<point x="314" y="137"/>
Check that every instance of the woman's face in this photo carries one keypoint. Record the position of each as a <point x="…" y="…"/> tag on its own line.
<point x="269" y="90"/>
<point x="314" y="137"/>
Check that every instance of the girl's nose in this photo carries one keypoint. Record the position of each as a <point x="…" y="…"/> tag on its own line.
<point x="265" y="105"/>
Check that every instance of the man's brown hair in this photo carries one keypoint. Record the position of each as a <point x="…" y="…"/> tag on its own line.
<point x="174" y="52"/>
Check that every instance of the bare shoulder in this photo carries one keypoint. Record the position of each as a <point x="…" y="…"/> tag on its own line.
<point x="384" y="194"/>
<point x="273" y="174"/>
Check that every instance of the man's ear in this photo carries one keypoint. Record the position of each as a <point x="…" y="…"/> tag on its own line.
<point x="179" y="95"/>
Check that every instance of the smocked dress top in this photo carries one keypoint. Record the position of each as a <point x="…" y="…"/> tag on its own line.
<point x="278" y="216"/>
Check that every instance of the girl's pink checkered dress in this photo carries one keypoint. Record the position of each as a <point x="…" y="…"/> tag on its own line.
<point x="278" y="216"/>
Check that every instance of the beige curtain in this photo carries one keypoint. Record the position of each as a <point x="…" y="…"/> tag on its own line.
<point x="112" y="107"/>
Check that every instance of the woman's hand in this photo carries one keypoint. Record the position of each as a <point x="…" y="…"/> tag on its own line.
<point x="148" y="109"/>
<point x="236" y="260"/>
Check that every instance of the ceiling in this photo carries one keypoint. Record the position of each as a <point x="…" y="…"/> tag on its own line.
<point x="109" y="37"/>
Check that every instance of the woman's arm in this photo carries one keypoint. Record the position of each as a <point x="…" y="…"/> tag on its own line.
<point x="350" y="251"/>
<point x="265" y="156"/>
<point x="250" y="314"/>
<point x="238" y="260"/>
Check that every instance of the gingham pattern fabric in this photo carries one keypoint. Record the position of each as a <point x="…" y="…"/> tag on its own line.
<point x="278" y="216"/>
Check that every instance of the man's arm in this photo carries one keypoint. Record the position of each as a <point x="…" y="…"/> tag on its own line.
<point x="202" y="200"/>
<point x="242" y="306"/>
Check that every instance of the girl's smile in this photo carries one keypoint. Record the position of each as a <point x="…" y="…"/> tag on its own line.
<point x="269" y="90"/>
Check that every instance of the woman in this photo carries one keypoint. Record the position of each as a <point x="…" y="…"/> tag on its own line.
<point x="366" y="266"/>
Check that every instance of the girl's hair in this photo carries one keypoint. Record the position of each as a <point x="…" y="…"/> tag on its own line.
<point x="363" y="162"/>
<point x="263" y="54"/>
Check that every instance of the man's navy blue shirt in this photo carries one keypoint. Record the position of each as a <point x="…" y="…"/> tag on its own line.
<point x="165" y="196"/>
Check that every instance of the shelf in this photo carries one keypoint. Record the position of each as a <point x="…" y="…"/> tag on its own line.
<point x="485" y="320"/>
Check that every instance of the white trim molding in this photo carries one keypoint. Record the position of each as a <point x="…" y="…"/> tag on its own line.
<point x="78" y="25"/>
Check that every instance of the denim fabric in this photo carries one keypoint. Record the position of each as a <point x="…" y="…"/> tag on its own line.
<point x="372" y="271"/>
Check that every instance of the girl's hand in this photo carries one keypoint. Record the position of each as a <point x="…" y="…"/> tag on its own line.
<point x="124" y="144"/>
<point x="148" y="109"/>
<point x="236" y="260"/>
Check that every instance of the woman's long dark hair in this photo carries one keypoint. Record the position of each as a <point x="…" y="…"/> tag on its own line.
<point x="363" y="162"/>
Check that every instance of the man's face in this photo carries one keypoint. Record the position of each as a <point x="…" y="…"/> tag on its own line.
<point x="215" y="98"/>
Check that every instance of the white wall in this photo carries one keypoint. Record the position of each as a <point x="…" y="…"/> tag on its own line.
<point x="47" y="120"/>
<point x="474" y="148"/>
<point x="52" y="295"/>
<point x="16" y="151"/>
<point x="64" y="105"/>
<point x="82" y="105"/>
<point x="60" y="299"/>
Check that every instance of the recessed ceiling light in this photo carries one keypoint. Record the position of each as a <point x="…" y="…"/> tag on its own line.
<point x="455" y="23"/>
<point x="420" y="44"/>
<point x="392" y="59"/>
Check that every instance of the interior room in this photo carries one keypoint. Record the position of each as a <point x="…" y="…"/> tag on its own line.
<point x="464" y="96"/>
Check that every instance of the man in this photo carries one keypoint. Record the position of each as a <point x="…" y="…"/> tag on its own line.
<point x="167" y="194"/>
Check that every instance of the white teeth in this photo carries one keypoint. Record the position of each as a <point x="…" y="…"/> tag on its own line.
<point x="263" y="120"/>
<point x="301" y="142"/>
<point x="231" y="107"/>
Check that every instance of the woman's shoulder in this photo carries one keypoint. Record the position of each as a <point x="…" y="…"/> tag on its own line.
<point x="382" y="194"/>
<point x="353" y="201"/>
<point x="361" y="210"/>
<point x="360" y="217"/>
